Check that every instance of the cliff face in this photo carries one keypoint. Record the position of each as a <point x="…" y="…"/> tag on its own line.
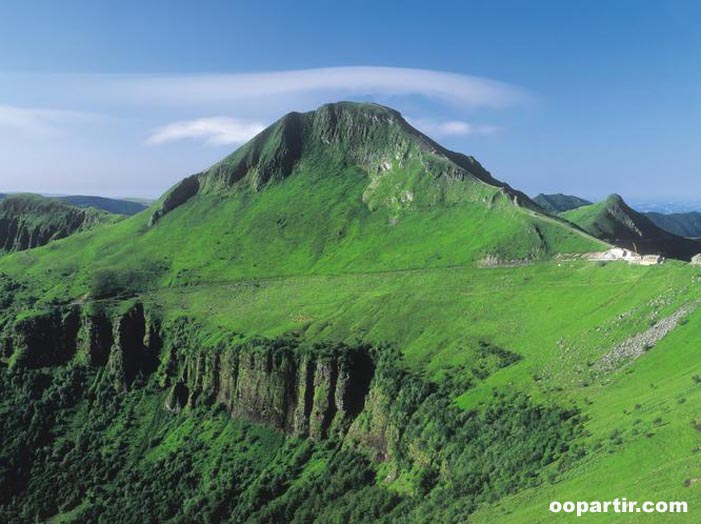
<point x="126" y="342"/>
<point x="29" y="221"/>
<point x="312" y="391"/>
<point x="356" y="399"/>
<point x="315" y="391"/>
<point x="44" y="339"/>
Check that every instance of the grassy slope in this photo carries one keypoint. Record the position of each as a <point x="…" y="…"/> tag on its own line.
<point x="653" y="405"/>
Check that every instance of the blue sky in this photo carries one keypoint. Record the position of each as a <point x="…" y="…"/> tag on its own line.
<point x="580" y="97"/>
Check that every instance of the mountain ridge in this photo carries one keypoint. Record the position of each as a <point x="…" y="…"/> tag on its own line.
<point x="118" y="206"/>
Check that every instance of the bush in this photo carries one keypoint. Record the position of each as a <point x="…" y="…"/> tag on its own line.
<point x="121" y="282"/>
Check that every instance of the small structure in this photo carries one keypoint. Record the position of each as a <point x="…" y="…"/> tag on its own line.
<point x="696" y="260"/>
<point x="626" y="255"/>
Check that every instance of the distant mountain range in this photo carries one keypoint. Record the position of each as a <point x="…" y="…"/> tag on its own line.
<point x="665" y="207"/>
<point x="682" y="224"/>
<point x="112" y="205"/>
<point x="127" y="207"/>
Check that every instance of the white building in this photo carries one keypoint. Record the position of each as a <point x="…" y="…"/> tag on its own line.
<point x="626" y="255"/>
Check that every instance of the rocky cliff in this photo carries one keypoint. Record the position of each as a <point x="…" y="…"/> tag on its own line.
<point x="313" y="391"/>
<point x="127" y="341"/>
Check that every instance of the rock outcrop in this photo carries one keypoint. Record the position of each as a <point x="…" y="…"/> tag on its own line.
<point x="635" y="346"/>
<point x="177" y="196"/>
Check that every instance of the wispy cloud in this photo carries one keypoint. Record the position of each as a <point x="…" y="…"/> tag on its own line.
<point x="214" y="131"/>
<point x="446" y="128"/>
<point x="456" y="89"/>
<point x="39" y="121"/>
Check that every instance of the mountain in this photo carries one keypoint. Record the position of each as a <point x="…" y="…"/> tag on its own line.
<point x="559" y="203"/>
<point x="616" y="222"/>
<point x="681" y="224"/>
<point x="111" y="205"/>
<point x="342" y="319"/>
<point x="28" y="221"/>
<point x="325" y="184"/>
<point x="404" y="168"/>
<point x="346" y="188"/>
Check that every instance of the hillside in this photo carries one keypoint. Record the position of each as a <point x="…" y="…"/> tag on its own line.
<point x="681" y="224"/>
<point x="558" y="203"/>
<point x="616" y="222"/>
<point x="29" y="221"/>
<point x="340" y="321"/>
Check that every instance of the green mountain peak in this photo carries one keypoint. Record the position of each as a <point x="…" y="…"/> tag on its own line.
<point x="405" y="168"/>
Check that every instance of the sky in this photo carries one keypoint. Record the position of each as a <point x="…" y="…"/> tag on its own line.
<point x="126" y="98"/>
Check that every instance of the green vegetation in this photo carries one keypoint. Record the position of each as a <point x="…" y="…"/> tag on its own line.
<point x="342" y="321"/>
<point x="91" y="455"/>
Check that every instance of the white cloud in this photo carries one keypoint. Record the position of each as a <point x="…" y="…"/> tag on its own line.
<point x="38" y="121"/>
<point x="214" y="130"/>
<point x="452" y="88"/>
<point x="452" y="128"/>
